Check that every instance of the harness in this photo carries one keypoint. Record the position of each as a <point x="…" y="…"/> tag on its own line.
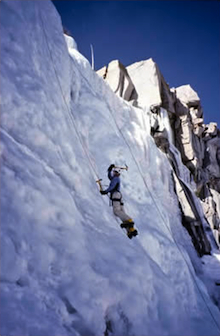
<point x="116" y="199"/>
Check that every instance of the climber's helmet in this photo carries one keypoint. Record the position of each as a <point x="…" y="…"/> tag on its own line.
<point x="116" y="171"/>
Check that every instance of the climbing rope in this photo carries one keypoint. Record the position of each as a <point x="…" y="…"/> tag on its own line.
<point x="66" y="104"/>
<point x="131" y="152"/>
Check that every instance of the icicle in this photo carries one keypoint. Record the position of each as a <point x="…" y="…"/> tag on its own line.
<point x="92" y="56"/>
<point x="166" y="123"/>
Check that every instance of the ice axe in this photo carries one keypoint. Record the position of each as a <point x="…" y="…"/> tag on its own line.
<point x="99" y="183"/>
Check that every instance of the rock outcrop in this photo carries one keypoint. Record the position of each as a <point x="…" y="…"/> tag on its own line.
<point x="119" y="80"/>
<point x="143" y="85"/>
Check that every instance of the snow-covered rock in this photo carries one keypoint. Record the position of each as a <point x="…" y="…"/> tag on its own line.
<point x="71" y="43"/>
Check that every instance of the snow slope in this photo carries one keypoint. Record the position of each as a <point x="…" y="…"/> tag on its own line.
<point x="67" y="268"/>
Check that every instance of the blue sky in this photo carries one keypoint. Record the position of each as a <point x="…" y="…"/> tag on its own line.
<point x="182" y="37"/>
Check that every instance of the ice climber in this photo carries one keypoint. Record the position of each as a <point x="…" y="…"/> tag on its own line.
<point x="117" y="200"/>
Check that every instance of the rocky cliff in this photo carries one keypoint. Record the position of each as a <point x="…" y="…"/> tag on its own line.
<point x="143" y="85"/>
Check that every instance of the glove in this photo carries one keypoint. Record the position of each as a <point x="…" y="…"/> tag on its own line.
<point x="111" y="167"/>
<point x="103" y="192"/>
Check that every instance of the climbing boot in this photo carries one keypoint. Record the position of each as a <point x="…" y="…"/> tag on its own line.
<point x="131" y="232"/>
<point x="127" y="224"/>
